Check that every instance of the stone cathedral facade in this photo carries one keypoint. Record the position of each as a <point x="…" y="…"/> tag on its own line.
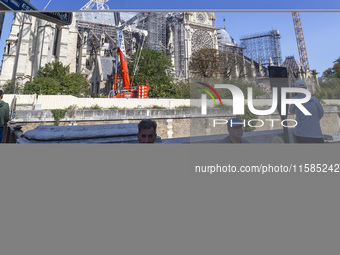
<point x="88" y="45"/>
<point x="32" y="43"/>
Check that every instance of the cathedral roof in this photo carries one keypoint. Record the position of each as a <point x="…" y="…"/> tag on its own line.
<point x="292" y="64"/>
<point x="224" y="37"/>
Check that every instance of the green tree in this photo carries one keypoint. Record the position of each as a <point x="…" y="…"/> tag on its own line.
<point x="329" y="83"/>
<point x="205" y="63"/>
<point x="45" y="85"/>
<point x="155" y="67"/>
<point x="74" y="84"/>
<point x="9" y="87"/>
<point x="336" y="66"/>
<point x="210" y="63"/>
<point x="329" y="88"/>
<point x="242" y="84"/>
<point x="55" y="79"/>
<point x="54" y="70"/>
<point x="182" y="90"/>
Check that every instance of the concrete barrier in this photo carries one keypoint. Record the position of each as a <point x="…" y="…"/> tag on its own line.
<point x="268" y="136"/>
<point x="49" y="102"/>
<point x="172" y="123"/>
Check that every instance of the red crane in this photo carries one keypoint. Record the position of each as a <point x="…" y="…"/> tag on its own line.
<point x="141" y="91"/>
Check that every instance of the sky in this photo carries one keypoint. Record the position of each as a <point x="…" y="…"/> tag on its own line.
<point x="197" y="4"/>
<point x="320" y="21"/>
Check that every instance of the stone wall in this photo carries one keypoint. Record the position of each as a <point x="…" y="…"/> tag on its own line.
<point x="49" y="102"/>
<point x="171" y="123"/>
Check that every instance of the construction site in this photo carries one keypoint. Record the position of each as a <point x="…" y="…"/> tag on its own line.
<point x="90" y="45"/>
<point x="263" y="46"/>
<point x="98" y="45"/>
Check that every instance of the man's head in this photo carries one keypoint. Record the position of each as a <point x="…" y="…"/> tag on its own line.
<point x="147" y="131"/>
<point x="1" y="93"/>
<point x="300" y="84"/>
<point x="235" y="129"/>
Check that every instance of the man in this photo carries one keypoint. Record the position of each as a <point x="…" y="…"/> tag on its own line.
<point x="235" y="129"/>
<point x="4" y="114"/>
<point x="147" y="131"/>
<point x="308" y="129"/>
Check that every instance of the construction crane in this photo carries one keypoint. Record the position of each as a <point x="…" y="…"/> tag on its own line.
<point x="100" y="5"/>
<point x="141" y="91"/>
<point x="128" y="92"/>
<point x="300" y="40"/>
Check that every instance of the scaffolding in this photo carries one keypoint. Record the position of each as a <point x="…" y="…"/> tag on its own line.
<point x="264" y="46"/>
<point x="179" y="50"/>
<point x="166" y="33"/>
<point x="155" y="24"/>
<point x="176" y="47"/>
<point x="104" y="28"/>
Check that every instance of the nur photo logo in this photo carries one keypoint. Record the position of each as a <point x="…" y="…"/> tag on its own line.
<point x="238" y="99"/>
<point x="204" y="96"/>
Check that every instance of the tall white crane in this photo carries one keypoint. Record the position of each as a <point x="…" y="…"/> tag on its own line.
<point x="100" y="5"/>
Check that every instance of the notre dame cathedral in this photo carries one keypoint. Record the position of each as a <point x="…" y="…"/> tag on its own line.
<point x="88" y="45"/>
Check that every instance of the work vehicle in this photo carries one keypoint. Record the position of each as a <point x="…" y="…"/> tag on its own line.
<point x="139" y="91"/>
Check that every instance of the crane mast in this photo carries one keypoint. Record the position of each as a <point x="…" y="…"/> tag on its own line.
<point x="100" y="5"/>
<point x="121" y="47"/>
<point x="142" y="90"/>
<point x="300" y="40"/>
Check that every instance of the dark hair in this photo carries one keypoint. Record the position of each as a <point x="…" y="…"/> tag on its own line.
<point x="147" y="124"/>
<point x="1" y="92"/>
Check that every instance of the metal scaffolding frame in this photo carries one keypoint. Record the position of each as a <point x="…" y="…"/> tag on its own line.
<point x="159" y="26"/>
<point x="179" y="50"/>
<point x="109" y="31"/>
<point x="176" y="47"/>
<point x="155" y="24"/>
<point x="264" y="46"/>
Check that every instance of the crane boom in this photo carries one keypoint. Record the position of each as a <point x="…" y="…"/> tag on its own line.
<point x="300" y="40"/>
<point x="123" y="61"/>
<point x="128" y="91"/>
<point x="134" y="18"/>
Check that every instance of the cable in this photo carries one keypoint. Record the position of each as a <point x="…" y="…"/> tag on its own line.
<point x="47" y="5"/>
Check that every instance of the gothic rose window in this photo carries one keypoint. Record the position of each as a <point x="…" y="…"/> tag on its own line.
<point x="201" y="39"/>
